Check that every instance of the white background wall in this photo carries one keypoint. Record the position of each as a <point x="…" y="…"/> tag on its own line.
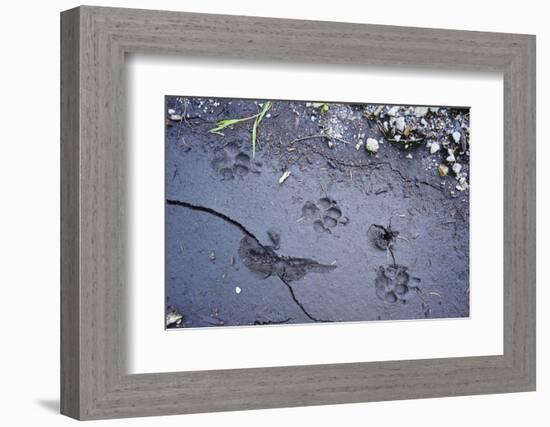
<point x="29" y="212"/>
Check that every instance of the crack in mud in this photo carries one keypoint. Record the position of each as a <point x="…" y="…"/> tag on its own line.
<point x="212" y="212"/>
<point x="376" y="165"/>
<point x="299" y="304"/>
<point x="263" y="259"/>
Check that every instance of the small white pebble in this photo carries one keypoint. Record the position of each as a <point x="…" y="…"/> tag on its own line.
<point x="171" y="111"/>
<point x="421" y="111"/>
<point x="400" y="124"/>
<point x="372" y="145"/>
<point x="393" y="111"/>
<point x="457" y="167"/>
<point x="238" y="290"/>
<point x="456" y="136"/>
<point x="409" y="156"/>
<point x="434" y="147"/>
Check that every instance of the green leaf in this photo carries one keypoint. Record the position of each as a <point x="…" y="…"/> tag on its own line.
<point x="222" y="124"/>
<point x="259" y="118"/>
<point x="323" y="106"/>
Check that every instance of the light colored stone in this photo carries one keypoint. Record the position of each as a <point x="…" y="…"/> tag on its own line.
<point x="173" y="317"/>
<point x="420" y="111"/>
<point x="372" y="145"/>
<point x="393" y="111"/>
<point x="400" y="124"/>
<point x="456" y="136"/>
<point x="457" y="167"/>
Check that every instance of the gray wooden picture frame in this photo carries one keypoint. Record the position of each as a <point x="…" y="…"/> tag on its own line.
<point x="94" y="382"/>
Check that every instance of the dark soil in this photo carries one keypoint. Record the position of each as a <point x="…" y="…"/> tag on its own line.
<point x="350" y="235"/>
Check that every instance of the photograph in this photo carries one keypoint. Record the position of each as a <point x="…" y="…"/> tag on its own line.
<point x="281" y="212"/>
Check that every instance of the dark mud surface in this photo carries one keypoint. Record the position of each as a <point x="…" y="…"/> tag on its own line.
<point x="349" y="235"/>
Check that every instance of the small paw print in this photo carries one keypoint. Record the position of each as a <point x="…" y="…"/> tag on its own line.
<point x="392" y="283"/>
<point x="230" y="162"/>
<point x="326" y="214"/>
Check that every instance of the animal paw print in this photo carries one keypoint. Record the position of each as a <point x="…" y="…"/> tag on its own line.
<point x="230" y="162"/>
<point x="326" y="214"/>
<point x="392" y="283"/>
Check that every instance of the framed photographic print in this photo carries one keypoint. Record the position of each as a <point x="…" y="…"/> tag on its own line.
<point x="292" y="213"/>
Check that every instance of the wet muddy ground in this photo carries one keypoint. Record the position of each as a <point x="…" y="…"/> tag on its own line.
<point x="343" y="212"/>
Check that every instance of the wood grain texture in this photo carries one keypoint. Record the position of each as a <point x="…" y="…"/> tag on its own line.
<point x="70" y="297"/>
<point x="94" y="193"/>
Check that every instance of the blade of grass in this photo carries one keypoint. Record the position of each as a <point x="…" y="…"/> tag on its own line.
<point x="222" y="124"/>
<point x="259" y="118"/>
